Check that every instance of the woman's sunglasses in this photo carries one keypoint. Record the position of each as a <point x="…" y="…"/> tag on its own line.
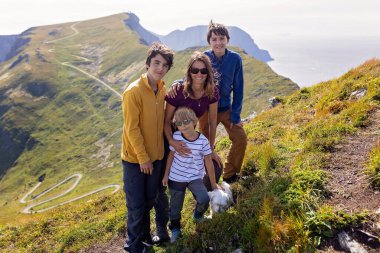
<point x="196" y="71"/>
<point x="183" y="122"/>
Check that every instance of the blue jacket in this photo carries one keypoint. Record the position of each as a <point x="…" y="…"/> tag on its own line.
<point x="229" y="76"/>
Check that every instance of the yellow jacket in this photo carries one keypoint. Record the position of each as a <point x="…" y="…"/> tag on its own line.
<point x="143" y="126"/>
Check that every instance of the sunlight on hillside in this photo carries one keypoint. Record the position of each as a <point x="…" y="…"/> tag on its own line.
<point x="69" y="122"/>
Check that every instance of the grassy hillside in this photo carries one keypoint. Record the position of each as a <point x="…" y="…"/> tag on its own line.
<point x="57" y="121"/>
<point x="65" y="119"/>
<point x="279" y="203"/>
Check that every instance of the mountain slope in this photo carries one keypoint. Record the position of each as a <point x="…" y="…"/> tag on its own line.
<point x="280" y="200"/>
<point x="349" y="185"/>
<point x="61" y="112"/>
<point x="60" y="108"/>
<point x="284" y="203"/>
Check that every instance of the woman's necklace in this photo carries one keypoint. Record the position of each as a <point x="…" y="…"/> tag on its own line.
<point x="199" y="98"/>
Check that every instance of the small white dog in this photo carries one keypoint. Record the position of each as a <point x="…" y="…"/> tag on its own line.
<point x="220" y="200"/>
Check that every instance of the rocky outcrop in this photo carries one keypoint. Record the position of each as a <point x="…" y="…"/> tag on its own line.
<point x="147" y="37"/>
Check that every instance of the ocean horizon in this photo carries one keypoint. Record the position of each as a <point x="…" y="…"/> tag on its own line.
<point x="308" y="60"/>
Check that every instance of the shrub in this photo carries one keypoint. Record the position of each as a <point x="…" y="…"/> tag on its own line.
<point x="336" y="107"/>
<point x="223" y="144"/>
<point x="260" y="158"/>
<point x="302" y="94"/>
<point x="219" y="234"/>
<point x="325" y="221"/>
<point x="307" y="187"/>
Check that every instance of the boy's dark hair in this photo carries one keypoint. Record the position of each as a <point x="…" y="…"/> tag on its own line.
<point x="163" y="50"/>
<point x="217" y="29"/>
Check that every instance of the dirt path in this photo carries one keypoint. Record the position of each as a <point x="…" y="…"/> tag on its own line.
<point x="115" y="245"/>
<point x="350" y="187"/>
<point x="67" y="64"/>
<point x="69" y="36"/>
<point x="93" y="77"/>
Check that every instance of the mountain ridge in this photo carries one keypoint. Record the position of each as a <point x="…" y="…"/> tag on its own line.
<point x="194" y="36"/>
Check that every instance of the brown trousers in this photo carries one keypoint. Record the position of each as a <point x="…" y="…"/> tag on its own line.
<point x="237" y="136"/>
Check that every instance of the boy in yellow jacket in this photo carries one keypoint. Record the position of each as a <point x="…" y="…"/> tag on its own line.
<point x="142" y="146"/>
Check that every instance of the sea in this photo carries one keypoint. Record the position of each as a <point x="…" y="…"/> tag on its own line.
<point x="308" y="60"/>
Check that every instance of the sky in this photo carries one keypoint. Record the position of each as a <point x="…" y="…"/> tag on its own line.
<point x="325" y="17"/>
<point x="269" y="22"/>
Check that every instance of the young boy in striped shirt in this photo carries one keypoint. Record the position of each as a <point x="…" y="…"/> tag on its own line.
<point x="188" y="171"/>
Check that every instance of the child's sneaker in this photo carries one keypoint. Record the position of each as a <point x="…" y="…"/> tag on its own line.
<point x="160" y="240"/>
<point x="162" y="236"/>
<point x="197" y="219"/>
<point x="176" y="233"/>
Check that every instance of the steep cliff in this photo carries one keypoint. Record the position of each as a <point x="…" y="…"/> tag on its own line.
<point x="6" y="42"/>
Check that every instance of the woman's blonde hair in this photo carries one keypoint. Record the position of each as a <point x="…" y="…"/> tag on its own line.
<point x="209" y="86"/>
<point x="185" y="113"/>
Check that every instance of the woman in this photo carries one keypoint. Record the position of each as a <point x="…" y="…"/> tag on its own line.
<point x="201" y="95"/>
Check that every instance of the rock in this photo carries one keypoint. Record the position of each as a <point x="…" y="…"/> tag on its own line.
<point x="349" y="244"/>
<point x="251" y="116"/>
<point x="274" y="101"/>
<point x="42" y="177"/>
<point x="358" y="94"/>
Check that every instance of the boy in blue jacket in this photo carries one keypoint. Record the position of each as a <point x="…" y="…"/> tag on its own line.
<point x="229" y="74"/>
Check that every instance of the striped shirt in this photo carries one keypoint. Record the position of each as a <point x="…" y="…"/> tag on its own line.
<point x="189" y="168"/>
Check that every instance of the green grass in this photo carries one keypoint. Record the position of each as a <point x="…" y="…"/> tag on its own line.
<point x="373" y="167"/>
<point x="77" y="111"/>
<point x="279" y="203"/>
<point x="61" y="231"/>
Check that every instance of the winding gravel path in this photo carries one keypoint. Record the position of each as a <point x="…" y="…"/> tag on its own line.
<point x="78" y="176"/>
